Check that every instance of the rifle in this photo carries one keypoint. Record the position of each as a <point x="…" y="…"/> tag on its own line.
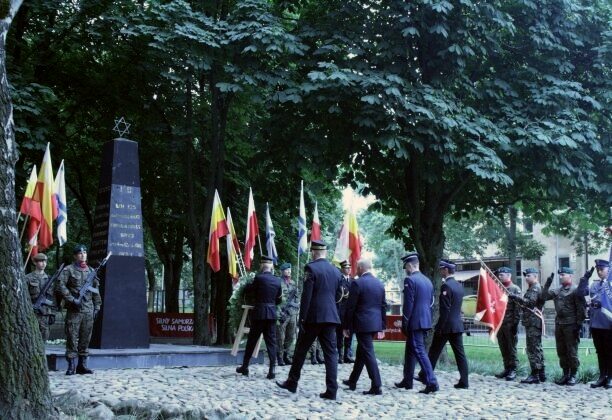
<point x="88" y="285"/>
<point x="42" y="296"/>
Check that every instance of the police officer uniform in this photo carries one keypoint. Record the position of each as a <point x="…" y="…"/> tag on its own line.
<point x="507" y="336"/>
<point x="288" y="318"/>
<point x="80" y="314"/>
<point x="416" y="321"/>
<point x="366" y="315"/>
<point x="266" y="289"/>
<point x="532" y="301"/>
<point x="601" y="325"/>
<point x="570" y="306"/>
<point x="36" y="281"/>
<point x="343" y="343"/>
<point x="318" y="319"/>
<point x="450" y="326"/>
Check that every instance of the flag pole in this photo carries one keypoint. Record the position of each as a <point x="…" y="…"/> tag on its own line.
<point x="31" y="249"/>
<point x="25" y="223"/>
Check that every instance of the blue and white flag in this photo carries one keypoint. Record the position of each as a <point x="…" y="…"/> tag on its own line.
<point x="270" y="235"/>
<point x="302" y="231"/>
<point x="62" y="209"/>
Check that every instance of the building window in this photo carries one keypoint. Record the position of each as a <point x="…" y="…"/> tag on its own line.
<point x="528" y="225"/>
<point x="564" y="262"/>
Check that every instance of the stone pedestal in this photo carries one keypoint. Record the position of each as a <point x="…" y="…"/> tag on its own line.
<point x="123" y="321"/>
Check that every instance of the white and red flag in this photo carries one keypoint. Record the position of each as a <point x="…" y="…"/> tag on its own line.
<point x="315" y="232"/>
<point x="491" y="303"/>
<point x="252" y="232"/>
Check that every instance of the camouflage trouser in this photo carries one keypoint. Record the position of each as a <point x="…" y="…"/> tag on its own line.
<point x="534" y="347"/>
<point x="316" y="347"/>
<point x="507" y="339"/>
<point x="567" y="338"/>
<point x="78" y="333"/>
<point x="285" y="334"/>
<point x="43" y="326"/>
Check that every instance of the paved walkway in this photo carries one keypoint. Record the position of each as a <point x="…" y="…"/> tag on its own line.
<point x="218" y="392"/>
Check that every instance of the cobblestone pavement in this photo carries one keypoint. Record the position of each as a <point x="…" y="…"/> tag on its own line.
<point x="218" y="392"/>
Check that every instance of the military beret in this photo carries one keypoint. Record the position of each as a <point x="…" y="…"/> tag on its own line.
<point x="285" y="266"/>
<point x="39" y="257"/>
<point x="318" y="245"/>
<point x="530" y="271"/>
<point x="447" y="264"/>
<point x="79" y="248"/>
<point x="345" y="264"/>
<point x="602" y="263"/>
<point x="504" y="270"/>
<point x="267" y="259"/>
<point x="566" y="270"/>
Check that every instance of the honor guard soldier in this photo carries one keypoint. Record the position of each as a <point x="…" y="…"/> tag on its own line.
<point x="318" y="319"/>
<point x="36" y="280"/>
<point x="416" y="321"/>
<point x="288" y="316"/>
<point x="450" y="325"/>
<point x="507" y="336"/>
<point x="570" y="306"/>
<point x="80" y="313"/>
<point x="267" y="292"/>
<point x="342" y="342"/>
<point x="601" y="325"/>
<point x="366" y="316"/>
<point x="532" y="301"/>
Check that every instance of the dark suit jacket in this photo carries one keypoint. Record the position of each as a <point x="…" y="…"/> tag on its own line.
<point x="451" y="298"/>
<point x="367" y="307"/>
<point x="266" y="289"/>
<point x="418" y="297"/>
<point x="321" y="291"/>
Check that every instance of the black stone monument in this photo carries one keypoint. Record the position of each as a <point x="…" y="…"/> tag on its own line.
<point x="123" y="320"/>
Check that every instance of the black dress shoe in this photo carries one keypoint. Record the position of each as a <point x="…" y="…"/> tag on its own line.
<point x="599" y="383"/>
<point x="511" y="375"/>
<point x="349" y="359"/>
<point x="243" y="369"/>
<point x="429" y="389"/>
<point x="340" y="361"/>
<point x="403" y="384"/>
<point x="461" y="385"/>
<point x="373" y="391"/>
<point x="291" y="387"/>
<point x="327" y="395"/>
<point x="348" y="383"/>
<point x="420" y="377"/>
<point x="502" y="374"/>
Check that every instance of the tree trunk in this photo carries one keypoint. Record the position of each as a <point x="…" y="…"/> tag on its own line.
<point x="24" y="382"/>
<point x="152" y="284"/>
<point x="511" y="232"/>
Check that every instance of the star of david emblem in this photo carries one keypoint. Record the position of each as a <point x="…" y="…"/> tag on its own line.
<point x="122" y="126"/>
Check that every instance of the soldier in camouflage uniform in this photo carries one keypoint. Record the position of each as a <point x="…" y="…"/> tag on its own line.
<point x="80" y="313"/>
<point x="570" y="306"/>
<point x="343" y="343"/>
<point x="507" y="336"/>
<point x="36" y="280"/>
<point x="532" y="301"/>
<point x="286" y="328"/>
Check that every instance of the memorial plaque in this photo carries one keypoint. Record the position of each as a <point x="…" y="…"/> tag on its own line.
<point x="123" y="320"/>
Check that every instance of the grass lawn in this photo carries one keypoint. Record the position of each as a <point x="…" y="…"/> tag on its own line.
<point x="484" y="357"/>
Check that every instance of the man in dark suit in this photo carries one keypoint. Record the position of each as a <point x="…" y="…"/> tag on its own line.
<point x="318" y="319"/>
<point x="366" y="317"/>
<point x="267" y="292"/>
<point x="343" y="342"/>
<point x="450" y="325"/>
<point x="416" y="321"/>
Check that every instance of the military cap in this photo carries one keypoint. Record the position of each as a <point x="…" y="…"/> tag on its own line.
<point x="345" y="264"/>
<point x="411" y="257"/>
<point x="267" y="259"/>
<point x="602" y="263"/>
<point x="503" y="270"/>
<point x="39" y="257"/>
<point x="566" y="270"/>
<point x="318" y="245"/>
<point x="285" y="266"/>
<point x="79" y="248"/>
<point x="530" y="271"/>
<point x="447" y="264"/>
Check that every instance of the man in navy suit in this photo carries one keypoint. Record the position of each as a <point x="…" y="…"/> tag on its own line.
<point x="450" y="325"/>
<point x="416" y="321"/>
<point x="266" y="289"/>
<point x="318" y="319"/>
<point x="366" y="317"/>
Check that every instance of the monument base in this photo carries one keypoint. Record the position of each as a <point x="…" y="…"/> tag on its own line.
<point x="166" y="355"/>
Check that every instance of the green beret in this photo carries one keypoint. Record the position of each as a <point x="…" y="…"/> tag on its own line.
<point x="285" y="266"/>
<point x="79" y="248"/>
<point x="566" y="270"/>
